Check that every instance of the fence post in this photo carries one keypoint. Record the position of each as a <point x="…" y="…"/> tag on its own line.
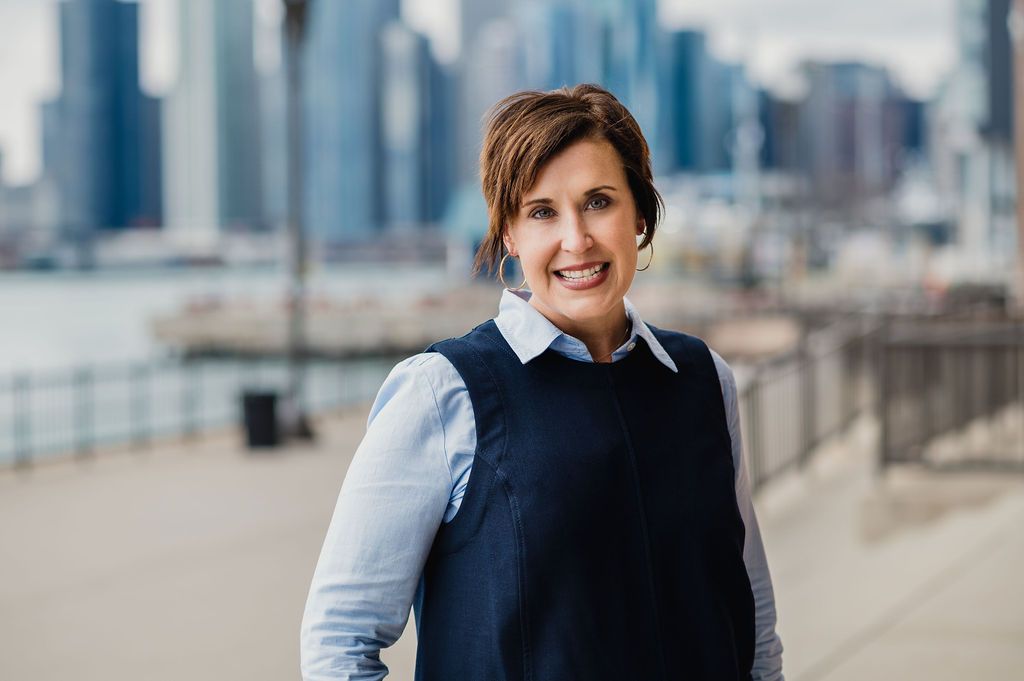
<point x="197" y="396"/>
<point x="882" y="391"/>
<point x="807" y="398"/>
<point x="21" y="402"/>
<point x="140" y="406"/>
<point x="83" y="411"/>
<point x="1018" y="380"/>
<point x="755" y="449"/>
<point x="189" y="400"/>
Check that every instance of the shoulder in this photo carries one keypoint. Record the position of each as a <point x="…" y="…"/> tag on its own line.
<point x="425" y="379"/>
<point x="485" y="342"/>
<point x="690" y="348"/>
<point x="725" y="374"/>
<point x="687" y="349"/>
<point x="425" y="364"/>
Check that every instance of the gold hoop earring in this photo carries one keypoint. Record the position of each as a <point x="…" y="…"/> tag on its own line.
<point x="641" y="269"/>
<point x="501" y="275"/>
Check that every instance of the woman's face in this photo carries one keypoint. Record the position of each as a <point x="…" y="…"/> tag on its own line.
<point x="575" y="235"/>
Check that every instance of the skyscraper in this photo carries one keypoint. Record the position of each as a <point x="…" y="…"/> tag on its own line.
<point x="414" y="129"/>
<point x="632" y="44"/>
<point x="99" y="133"/>
<point x="998" y="61"/>
<point x="851" y="139"/>
<point x="701" y="96"/>
<point x="274" y="137"/>
<point x="344" y="198"/>
<point x="972" y="135"/>
<point x="486" y="73"/>
<point x="554" y="43"/>
<point x="689" y="85"/>
<point x="474" y="14"/>
<point x="212" y="141"/>
<point x="491" y="70"/>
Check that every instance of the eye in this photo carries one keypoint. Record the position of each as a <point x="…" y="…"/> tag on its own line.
<point x="598" y="202"/>
<point x="541" y="213"/>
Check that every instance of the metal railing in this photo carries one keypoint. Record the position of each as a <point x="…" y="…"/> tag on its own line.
<point x="56" y="413"/>
<point x="951" y="394"/>
<point x="788" y="404"/>
<point x="794" y="401"/>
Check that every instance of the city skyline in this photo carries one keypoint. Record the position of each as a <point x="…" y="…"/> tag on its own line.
<point x="919" y="58"/>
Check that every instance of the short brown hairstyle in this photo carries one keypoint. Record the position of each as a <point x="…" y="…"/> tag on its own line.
<point x="525" y="130"/>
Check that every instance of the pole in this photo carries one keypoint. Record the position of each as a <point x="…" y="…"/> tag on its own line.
<point x="1016" y="25"/>
<point x="295" y="422"/>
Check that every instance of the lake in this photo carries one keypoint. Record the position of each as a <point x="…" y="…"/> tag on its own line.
<point x="65" y="319"/>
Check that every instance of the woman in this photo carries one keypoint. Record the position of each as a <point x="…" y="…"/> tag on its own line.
<point x="560" y="494"/>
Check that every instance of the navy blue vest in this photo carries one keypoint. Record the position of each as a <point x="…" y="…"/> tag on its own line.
<point x="599" y="537"/>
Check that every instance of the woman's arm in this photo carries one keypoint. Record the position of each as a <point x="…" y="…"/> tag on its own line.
<point x="390" y="507"/>
<point x="767" y="645"/>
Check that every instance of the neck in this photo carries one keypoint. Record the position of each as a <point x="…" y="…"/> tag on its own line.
<point x="601" y="349"/>
<point x="601" y="336"/>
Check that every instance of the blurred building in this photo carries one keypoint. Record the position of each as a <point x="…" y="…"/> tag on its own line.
<point x="971" y="133"/>
<point x="780" y="124"/>
<point x="273" y="93"/>
<point x="474" y="14"/>
<point x="415" y="130"/>
<point x="100" y="134"/>
<point x="344" y="149"/>
<point x="29" y="215"/>
<point x="702" y="97"/>
<point x="561" y="43"/>
<point x="998" y="63"/>
<point x="491" y="69"/>
<point x="852" y="135"/>
<point x="212" y="145"/>
<point x="997" y="128"/>
<point x="28" y="219"/>
<point x="632" y="45"/>
<point x="545" y="44"/>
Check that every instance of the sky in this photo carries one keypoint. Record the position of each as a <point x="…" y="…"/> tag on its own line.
<point x="913" y="37"/>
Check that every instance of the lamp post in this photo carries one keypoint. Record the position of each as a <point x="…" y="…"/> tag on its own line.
<point x="296" y="423"/>
<point x="1016" y="25"/>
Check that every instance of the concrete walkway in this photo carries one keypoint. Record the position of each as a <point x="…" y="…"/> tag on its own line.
<point x="193" y="563"/>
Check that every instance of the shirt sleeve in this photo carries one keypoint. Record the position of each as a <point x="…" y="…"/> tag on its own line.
<point x="767" y="644"/>
<point x="390" y="506"/>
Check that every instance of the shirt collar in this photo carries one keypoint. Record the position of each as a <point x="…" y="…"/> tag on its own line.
<point x="529" y="333"/>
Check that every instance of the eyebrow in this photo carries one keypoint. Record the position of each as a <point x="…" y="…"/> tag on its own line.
<point x="586" y="193"/>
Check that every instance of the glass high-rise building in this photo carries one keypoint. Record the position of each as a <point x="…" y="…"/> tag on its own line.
<point x="212" y="145"/>
<point x="631" y="69"/>
<point x="100" y="138"/>
<point x="998" y="61"/>
<point x="414" y="129"/>
<point x="344" y="150"/>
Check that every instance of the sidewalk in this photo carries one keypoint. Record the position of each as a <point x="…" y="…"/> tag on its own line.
<point x="193" y="563"/>
<point x="910" y="575"/>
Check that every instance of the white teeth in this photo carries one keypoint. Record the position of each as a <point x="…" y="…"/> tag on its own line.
<point x="581" y="274"/>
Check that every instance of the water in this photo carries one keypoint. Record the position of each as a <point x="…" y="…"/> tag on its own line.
<point x="79" y="369"/>
<point x="67" y="319"/>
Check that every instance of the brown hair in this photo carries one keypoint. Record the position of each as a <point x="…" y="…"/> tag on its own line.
<point x="528" y="128"/>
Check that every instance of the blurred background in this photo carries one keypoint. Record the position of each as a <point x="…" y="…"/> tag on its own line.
<point x="223" y="221"/>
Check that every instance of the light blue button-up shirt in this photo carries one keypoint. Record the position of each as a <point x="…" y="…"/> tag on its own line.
<point x="409" y="475"/>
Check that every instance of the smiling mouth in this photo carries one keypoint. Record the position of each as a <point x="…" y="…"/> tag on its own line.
<point x="582" y="275"/>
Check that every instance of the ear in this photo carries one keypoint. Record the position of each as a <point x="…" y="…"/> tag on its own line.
<point x="641" y="227"/>
<point x="510" y="244"/>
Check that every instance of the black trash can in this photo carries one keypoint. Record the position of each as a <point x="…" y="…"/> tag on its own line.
<point x="259" y="411"/>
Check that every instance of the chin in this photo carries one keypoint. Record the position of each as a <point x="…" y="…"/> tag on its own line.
<point x="584" y="308"/>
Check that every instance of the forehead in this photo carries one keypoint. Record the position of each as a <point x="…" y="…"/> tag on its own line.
<point x="584" y="164"/>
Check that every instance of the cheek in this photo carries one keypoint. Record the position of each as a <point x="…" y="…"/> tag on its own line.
<point x="534" y="261"/>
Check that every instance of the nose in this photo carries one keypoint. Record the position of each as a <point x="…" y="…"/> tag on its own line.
<point x="575" y="235"/>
